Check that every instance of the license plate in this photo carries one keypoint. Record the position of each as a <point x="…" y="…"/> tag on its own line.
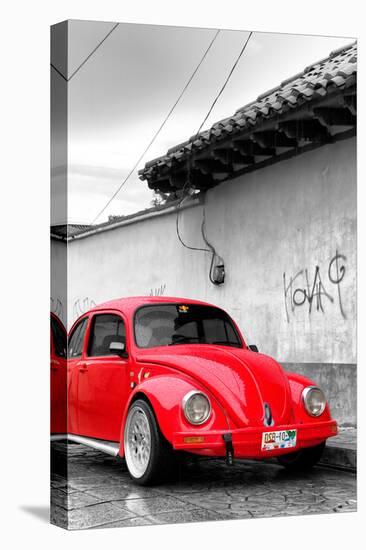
<point x="282" y="439"/>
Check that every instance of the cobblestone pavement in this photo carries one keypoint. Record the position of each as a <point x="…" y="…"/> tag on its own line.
<point x="99" y="492"/>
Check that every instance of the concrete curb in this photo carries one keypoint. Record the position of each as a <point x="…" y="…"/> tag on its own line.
<point x="339" y="457"/>
<point x="341" y="451"/>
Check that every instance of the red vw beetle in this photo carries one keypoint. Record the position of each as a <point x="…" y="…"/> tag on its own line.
<point x="58" y="376"/>
<point x="149" y="376"/>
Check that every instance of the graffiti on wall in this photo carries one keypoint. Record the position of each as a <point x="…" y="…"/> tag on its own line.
<point x="159" y="291"/>
<point x="56" y="307"/>
<point x="81" y="305"/>
<point x="314" y="291"/>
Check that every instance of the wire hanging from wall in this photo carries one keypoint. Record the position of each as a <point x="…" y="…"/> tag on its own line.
<point x="184" y="196"/>
<point x="220" y="269"/>
<point x="216" y="272"/>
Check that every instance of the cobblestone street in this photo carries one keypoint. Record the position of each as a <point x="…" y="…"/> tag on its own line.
<point x="99" y="492"/>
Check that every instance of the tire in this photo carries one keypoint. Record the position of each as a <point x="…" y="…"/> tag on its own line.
<point x="302" y="460"/>
<point x="148" y="455"/>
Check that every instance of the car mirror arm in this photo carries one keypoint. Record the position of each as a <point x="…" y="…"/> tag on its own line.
<point x="253" y="347"/>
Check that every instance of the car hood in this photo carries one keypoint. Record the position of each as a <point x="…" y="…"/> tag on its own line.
<point x="241" y="380"/>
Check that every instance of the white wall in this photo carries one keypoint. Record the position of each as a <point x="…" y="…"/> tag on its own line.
<point x="283" y="219"/>
<point x="59" y="279"/>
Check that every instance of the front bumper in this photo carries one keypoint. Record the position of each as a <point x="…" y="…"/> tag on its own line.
<point x="247" y="442"/>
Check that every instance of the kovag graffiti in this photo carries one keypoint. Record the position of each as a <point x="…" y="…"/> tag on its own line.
<point x="314" y="291"/>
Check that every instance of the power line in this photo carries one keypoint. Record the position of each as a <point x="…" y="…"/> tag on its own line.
<point x="58" y="72"/>
<point x="87" y="58"/>
<point x="95" y="49"/>
<point x="225" y="83"/>
<point x="158" y="131"/>
<point x="211" y="249"/>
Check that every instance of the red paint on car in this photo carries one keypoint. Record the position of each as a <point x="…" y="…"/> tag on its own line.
<point x="241" y="385"/>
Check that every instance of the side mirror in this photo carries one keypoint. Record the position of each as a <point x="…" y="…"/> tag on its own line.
<point x="117" y="348"/>
<point x="253" y="347"/>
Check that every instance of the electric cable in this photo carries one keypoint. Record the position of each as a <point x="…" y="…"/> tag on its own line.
<point x="211" y="249"/>
<point x="86" y="59"/>
<point x="225" y="83"/>
<point x="158" y="131"/>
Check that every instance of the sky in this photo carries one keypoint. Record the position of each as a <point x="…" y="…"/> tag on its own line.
<point x="122" y="93"/>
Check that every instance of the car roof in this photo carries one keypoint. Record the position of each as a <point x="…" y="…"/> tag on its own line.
<point x="132" y="303"/>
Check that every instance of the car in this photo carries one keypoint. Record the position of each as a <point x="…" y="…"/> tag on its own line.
<point x="152" y="377"/>
<point x="58" y="376"/>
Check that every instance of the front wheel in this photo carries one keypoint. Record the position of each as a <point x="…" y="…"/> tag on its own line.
<point x="147" y="453"/>
<point x="303" y="459"/>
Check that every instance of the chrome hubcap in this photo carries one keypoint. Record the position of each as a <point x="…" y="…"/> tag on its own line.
<point x="137" y="441"/>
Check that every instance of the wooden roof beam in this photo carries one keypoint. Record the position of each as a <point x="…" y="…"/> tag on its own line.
<point x="329" y="116"/>
<point x="229" y="157"/>
<point x="274" y="139"/>
<point x="211" y="166"/>
<point x="178" y="180"/>
<point x="335" y="120"/>
<point x="249" y="147"/>
<point x="350" y="101"/>
<point x="308" y="130"/>
<point x="197" y="179"/>
<point x="161" y="185"/>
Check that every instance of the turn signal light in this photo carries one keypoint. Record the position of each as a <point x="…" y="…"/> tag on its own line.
<point x="195" y="439"/>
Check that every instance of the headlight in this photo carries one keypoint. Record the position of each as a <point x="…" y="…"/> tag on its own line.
<point x="314" y="400"/>
<point x="196" y="407"/>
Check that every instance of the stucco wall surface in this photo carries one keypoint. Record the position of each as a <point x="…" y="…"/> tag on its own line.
<point x="287" y="234"/>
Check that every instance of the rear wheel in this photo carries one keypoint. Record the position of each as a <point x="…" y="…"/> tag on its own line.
<point x="302" y="460"/>
<point x="148" y="455"/>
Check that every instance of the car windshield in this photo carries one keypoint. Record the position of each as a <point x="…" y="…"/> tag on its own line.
<point x="174" y="324"/>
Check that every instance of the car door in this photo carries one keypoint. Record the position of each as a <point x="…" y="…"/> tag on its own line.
<point x="58" y="377"/>
<point x="75" y="350"/>
<point x="103" y="378"/>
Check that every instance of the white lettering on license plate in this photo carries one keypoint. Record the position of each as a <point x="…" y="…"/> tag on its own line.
<point x="282" y="439"/>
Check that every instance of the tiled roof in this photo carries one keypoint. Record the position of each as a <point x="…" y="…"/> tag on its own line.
<point x="314" y="84"/>
<point x="69" y="230"/>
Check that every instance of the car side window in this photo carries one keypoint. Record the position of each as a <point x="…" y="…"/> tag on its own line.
<point x="106" y="328"/>
<point x="76" y="339"/>
<point x="59" y="338"/>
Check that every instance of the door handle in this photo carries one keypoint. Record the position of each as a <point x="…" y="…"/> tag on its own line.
<point x="83" y="367"/>
<point x="55" y="365"/>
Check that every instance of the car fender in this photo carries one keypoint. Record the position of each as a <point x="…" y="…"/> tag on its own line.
<point x="297" y="384"/>
<point x="165" y="393"/>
